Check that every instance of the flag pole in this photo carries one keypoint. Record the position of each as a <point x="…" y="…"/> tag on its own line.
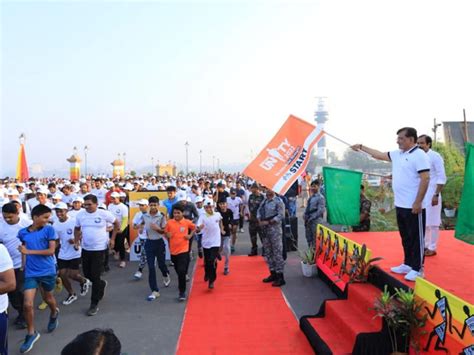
<point x="350" y="145"/>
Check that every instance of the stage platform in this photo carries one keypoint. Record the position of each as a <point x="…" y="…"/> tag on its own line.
<point x="451" y="269"/>
<point x="349" y="324"/>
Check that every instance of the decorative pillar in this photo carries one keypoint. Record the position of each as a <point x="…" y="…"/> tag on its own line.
<point x="118" y="168"/>
<point x="75" y="166"/>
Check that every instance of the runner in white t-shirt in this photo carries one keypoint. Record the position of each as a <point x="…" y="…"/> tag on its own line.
<point x="69" y="257"/>
<point x="235" y="204"/>
<point x="210" y="225"/>
<point x="7" y="284"/>
<point x="142" y="236"/>
<point x="9" y="227"/>
<point x="91" y="229"/>
<point x="120" y="211"/>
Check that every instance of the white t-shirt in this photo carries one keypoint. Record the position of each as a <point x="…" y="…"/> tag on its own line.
<point x="234" y="205"/>
<point x="94" y="229"/>
<point x="120" y="211"/>
<point x="137" y="220"/>
<point x="406" y="169"/>
<point x="5" y="264"/>
<point x="74" y="213"/>
<point x="100" y="194"/>
<point x="65" y="232"/>
<point x="9" y="238"/>
<point x="211" y="233"/>
<point x="67" y="199"/>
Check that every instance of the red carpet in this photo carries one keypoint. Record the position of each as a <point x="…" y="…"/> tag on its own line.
<point x="451" y="269"/>
<point x="241" y="315"/>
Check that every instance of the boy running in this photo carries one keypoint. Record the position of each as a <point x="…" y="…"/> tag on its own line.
<point x="211" y="226"/>
<point x="179" y="231"/>
<point x="38" y="246"/>
<point x="143" y="206"/>
<point x="227" y="219"/>
<point x="69" y="257"/>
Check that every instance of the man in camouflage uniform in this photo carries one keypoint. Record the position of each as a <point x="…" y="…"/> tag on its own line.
<point x="254" y="202"/>
<point x="313" y="215"/>
<point x="365" y="205"/>
<point x="270" y="215"/>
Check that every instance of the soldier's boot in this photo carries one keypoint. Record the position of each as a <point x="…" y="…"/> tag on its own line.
<point x="279" y="281"/>
<point x="270" y="278"/>
<point x="253" y="252"/>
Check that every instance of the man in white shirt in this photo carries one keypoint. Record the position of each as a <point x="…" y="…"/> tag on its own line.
<point x="99" y="190"/>
<point x="7" y="284"/>
<point x="9" y="228"/>
<point x="91" y="231"/>
<point x="411" y="176"/>
<point x="433" y="195"/>
<point x="76" y="206"/>
<point x="69" y="257"/>
<point x="210" y="225"/>
<point x="120" y="211"/>
<point x="235" y="204"/>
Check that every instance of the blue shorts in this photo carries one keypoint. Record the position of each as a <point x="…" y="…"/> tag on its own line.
<point x="48" y="283"/>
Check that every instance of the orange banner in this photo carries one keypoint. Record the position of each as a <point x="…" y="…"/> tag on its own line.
<point x="285" y="158"/>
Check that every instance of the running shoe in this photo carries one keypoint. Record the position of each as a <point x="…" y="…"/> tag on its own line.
<point x="137" y="275"/>
<point x="30" y="340"/>
<point x="42" y="306"/>
<point x="53" y="321"/>
<point x="59" y="285"/>
<point x="153" y="296"/>
<point x="70" y="299"/>
<point x="93" y="309"/>
<point x="85" y="287"/>
<point x="167" y="280"/>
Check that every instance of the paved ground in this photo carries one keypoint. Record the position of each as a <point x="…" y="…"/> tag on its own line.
<point x="153" y="327"/>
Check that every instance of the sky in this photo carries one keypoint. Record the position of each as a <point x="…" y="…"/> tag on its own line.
<point x="146" y="77"/>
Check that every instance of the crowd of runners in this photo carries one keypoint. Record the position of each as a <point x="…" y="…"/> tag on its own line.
<point x="50" y="229"/>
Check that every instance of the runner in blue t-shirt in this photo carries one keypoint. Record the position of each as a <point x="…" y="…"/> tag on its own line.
<point x="38" y="246"/>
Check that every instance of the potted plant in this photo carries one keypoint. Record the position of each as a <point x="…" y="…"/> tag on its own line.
<point x="308" y="263"/>
<point x="358" y="269"/>
<point x="402" y="315"/>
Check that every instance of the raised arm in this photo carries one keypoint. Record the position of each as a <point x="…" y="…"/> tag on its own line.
<point x="372" y="152"/>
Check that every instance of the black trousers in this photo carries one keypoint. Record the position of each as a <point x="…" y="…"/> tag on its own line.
<point x="210" y="262"/>
<point x="16" y="296"/>
<point x="412" y="231"/>
<point x="120" y="245"/>
<point x="181" y="264"/>
<point x="92" y="265"/>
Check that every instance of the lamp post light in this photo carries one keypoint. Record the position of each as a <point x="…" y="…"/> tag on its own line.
<point x="86" y="149"/>
<point x="187" y="166"/>
<point x="213" y="164"/>
<point x="218" y="164"/>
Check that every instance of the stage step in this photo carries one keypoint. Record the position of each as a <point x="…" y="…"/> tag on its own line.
<point x="345" y="319"/>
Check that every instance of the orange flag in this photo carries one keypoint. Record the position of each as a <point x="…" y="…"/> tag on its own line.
<point x="22" y="166"/>
<point x="286" y="156"/>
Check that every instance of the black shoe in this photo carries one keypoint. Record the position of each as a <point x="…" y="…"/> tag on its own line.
<point x="20" y="322"/>
<point x="253" y="252"/>
<point x="211" y="285"/>
<point x="219" y="256"/>
<point x="280" y="281"/>
<point x="93" y="309"/>
<point x="270" y="278"/>
<point x="200" y="254"/>
<point x="206" y="278"/>
<point x="106" y="268"/>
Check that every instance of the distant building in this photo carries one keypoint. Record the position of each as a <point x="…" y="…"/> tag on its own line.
<point x="454" y="133"/>
<point x="166" y="170"/>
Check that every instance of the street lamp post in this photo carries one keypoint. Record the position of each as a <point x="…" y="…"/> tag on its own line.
<point x="86" y="149"/>
<point x="200" y="161"/>
<point x="187" y="166"/>
<point x="218" y="164"/>
<point x="152" y="165"/>
<point x="124" y="161"/>
<point x="213" y="164"/>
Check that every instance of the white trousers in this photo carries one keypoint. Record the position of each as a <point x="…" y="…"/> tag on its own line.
<point x="431" y="237"/>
